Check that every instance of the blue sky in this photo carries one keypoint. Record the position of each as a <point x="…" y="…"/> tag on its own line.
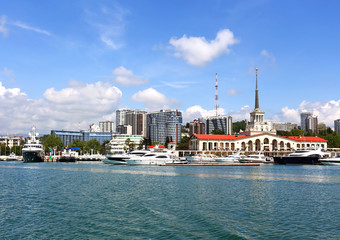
<point x="67" y="64"/>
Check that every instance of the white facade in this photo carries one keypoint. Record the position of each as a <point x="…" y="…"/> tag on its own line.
<point x="106" y="126"/>
<point x="261" y="142"/>
<point x="117" y="144"/>
<point x="11" y="141"/>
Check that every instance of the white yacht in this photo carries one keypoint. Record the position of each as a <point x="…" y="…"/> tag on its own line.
<point x="330" y="161"/>
<point x="153" y="158"/>
<point x="12" y="157"/>
<point x="120" y="159"/>
<point x="68" y="155"/>
<point x="201" y="158"/>
<point x="255" y="158"/>
<point x="234" y="158"/>
<point x="33" y="149"/>
<point x="302" y="157"/>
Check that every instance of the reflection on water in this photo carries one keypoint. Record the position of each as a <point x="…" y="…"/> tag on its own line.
<point x="96" y="201"/>
<point x="256" y="173"/>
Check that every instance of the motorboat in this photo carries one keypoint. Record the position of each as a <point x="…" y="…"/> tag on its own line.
<point x="233" y="158"/>
<point x="330" y="161"/>
<point x="68" y="155"/>
<point x="201" y="158"/>
<point x="302" y="157"/>
<point x="120" y="159"/>
<point x="176" y="161"/>
<point x="12" y="157"/>
<point x="153" y="158"/>
<point x="255" y="158"/>
<point x="33" y="149"/>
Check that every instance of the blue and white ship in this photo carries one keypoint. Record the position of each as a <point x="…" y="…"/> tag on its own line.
<point x="33" y="150"/>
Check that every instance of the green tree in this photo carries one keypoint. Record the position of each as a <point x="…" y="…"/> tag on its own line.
<point x="167" y="140"/>
<point x="237" y="126"/>
<point x="218" y="132"/>
<point x="77" y="143"/>
<point x="51" y="141"/>
<point x="183" y="144"/>
<point x="129" y="145"/>
<point x="16" y="150"/>
<point x="296" y="132"/>
<point x="93" y="144"/>
<point x="105" y="147"/>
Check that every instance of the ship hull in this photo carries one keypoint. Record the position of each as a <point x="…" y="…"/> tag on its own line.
<point x="33" y="156"/>
<point x="310" y="160"/>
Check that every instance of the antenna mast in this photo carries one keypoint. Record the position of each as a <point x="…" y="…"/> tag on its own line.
<point x="216" y="97"/>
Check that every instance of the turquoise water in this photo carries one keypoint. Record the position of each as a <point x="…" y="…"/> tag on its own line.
<point x="96" y="201"/>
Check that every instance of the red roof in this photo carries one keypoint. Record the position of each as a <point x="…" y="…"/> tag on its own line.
<point x="156" y="146"/>
<point x="307" y="139"/>
<point x="219" y="137"/>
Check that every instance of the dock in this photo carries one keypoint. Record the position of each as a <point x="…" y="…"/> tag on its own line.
<point x="211" y="164"/>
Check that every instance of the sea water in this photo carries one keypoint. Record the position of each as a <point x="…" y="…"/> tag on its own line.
<point x="98" y="201"/>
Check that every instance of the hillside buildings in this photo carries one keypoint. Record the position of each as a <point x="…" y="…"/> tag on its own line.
<point x="284" y="126"/>
<point x="337" y="126"/>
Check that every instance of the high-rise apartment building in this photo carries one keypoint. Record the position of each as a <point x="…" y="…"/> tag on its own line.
<point x="135" y="118"/>
<point x="120" y="116"/>
<point x="309" y="122"/>
<point x="337" y="126"/>
<point x="312" y="124"/>
<point x="221" y="123"/>
<point x="196" y="127"/>
<point x="106" y="126"/>
<point x="303" y="116"/>
<point x="163" y="124"/>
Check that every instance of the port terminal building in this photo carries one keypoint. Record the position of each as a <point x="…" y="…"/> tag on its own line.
<point x="264" y="142"/>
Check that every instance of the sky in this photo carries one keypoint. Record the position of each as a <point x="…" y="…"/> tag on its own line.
<point x="68" y="64"/>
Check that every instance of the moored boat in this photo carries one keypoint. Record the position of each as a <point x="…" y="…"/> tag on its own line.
<point x="153" y="158"/>
<point x="310" y="157"/>
<point x="68" y="155"/>
<point x="233" y="158"/>
<point x="330" y="161"/>
<point x="12" y="157"/>
<point x="33" y="150"/>
<point x="255" y="158"/>
<point x="120" y="159"/>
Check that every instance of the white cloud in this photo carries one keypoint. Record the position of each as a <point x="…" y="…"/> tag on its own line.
<point x="178" y="84"/>
<point x="9" y="74"/>
<point x="3" y="28"/>
<point x="126" y="77"/>
<point x="154" y="100"/>
<point x="327" y="112"/>
<point x="30" y="28"/>
<point x="241" y="114"/>
<point x="78" y="105"/>
<point x="269" y="57"/>
<point x="109" y="21"/>
<point x="233" y="92"/>
<point x="196" y="111"/>
<point x="198" y="51"/>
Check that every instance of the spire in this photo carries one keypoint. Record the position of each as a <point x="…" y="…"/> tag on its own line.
<point x="216" y="97"/>
<point x="257" y="104"/>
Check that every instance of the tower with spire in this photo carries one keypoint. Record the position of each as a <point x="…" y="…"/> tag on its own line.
<point x="257" y="124"/>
